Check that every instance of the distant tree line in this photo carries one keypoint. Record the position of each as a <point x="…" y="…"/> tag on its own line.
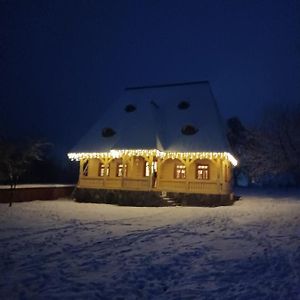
<point x="270" y="152"/>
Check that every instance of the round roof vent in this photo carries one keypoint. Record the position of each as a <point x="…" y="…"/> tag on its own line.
<point x="108" y="132"/>
<point x="183" y="105"/>
<point x="130" y="108"/>
<point x="189" y="130"/>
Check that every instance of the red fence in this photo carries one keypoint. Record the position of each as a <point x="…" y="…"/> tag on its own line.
<point x="29" y="193"/>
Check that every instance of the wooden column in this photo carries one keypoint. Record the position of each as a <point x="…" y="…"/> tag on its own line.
<point x="187" y="163"/>
<point x="149" y="159"/>
<point x="220" y="175"/>
<point x="106" y="161"/>
<point x="159" y="164"/>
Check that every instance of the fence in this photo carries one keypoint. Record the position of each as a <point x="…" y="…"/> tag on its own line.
<point x="35" y="192"/>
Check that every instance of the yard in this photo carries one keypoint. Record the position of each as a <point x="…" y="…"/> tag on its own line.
<point x="66" y="250"/>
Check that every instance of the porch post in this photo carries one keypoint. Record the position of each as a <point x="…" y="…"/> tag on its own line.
<point x="220" y="175"/>
<point x="159" y="164"/>
<point x="150" y="161"/>
<point x="187" y="164"/>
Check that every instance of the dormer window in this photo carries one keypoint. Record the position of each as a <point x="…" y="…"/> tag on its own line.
<point x="130" y="108"/>
<point x="108" y="132"/>
<point x="183" y="105"/>
<point x="189" y="130"/>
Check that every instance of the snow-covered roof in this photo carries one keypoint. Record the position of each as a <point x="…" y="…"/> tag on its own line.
<point x="181" y="117"/>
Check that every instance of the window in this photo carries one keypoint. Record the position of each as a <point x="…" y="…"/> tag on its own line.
<point x="101" y="170"/>
<point x="85" y="168"/>
<point x="147" y="169"/>
<point x="179" y="172"/>
<point x="130" y="108"/>
<point x="121" y="170"/>
<point x="189" y="130"/>
<point x="108" y="132"/>
<point x="202" y="172"/>
<point x="183" y="105"/>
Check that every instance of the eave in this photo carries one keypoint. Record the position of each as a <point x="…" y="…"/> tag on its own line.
<point x="153" y="152"/>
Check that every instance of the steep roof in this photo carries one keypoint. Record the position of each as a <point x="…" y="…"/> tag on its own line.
<point x="180" y="117"/>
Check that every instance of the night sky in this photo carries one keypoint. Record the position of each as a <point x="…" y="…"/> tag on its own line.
<point x="62" y="62"/>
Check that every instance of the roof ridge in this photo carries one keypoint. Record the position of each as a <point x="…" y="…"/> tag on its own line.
<point x="166" y="85"/>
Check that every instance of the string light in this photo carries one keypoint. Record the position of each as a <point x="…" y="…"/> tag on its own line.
<point x="153" y="152"/>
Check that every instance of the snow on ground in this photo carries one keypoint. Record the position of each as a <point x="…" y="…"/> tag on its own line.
<point x="66" y="250"/>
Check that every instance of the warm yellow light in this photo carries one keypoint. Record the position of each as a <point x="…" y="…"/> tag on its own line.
<point x="232" y="159"/>
<point x="153" y="152"/>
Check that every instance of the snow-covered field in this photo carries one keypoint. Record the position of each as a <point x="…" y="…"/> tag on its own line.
<point x="66" y="250"/>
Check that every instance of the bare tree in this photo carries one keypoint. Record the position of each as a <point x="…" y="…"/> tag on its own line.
<point x="273" y="147"/>
<point x="16" y="158"/>
<point x="281" y="132"/>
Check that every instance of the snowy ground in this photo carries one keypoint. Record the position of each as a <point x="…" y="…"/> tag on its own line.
<point x="66" y="250"/>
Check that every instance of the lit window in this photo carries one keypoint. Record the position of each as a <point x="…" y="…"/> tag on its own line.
<point x="202" y="172"/>
<point x="85" y="168"/>
<point x="101" y="170"/>
<point x="147" y="169"/>
<point x="121" y="170"/>
<point x="179" y="172"/>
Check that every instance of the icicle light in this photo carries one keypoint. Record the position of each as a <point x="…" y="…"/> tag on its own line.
<point x="157" y="153"/>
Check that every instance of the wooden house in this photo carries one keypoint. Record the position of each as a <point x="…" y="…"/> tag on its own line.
<point x="166" y="139"/>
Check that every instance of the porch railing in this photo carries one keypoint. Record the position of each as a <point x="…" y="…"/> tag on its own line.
<point x="114" y="183"/>
<point x="143" y="184"/>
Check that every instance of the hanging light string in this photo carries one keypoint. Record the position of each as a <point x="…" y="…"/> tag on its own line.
<point x="154" y="152"/>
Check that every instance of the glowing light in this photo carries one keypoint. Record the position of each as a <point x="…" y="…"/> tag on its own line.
<point x="153" y="152"/>
<point x="232" y="159"/>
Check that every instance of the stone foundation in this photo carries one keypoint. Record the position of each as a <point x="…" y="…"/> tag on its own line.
<point x="150" y="198"/>
<point x="119" y="197"/>
<point x="205" y="200"/>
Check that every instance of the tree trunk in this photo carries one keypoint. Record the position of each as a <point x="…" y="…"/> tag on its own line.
<point x="13" y="187"/>
<point x="11" y="196"/>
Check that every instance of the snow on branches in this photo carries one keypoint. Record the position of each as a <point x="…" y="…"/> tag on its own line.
<point x="272" y="148"/>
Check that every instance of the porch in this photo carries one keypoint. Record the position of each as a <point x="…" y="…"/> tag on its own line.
<point x="145" y="184"/>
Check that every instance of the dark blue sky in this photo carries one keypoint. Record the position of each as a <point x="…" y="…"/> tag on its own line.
<point x="62" y="62"/>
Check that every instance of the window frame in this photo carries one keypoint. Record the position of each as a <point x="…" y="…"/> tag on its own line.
<point x="101" y="167"/>
<point x="177" y="167"/>
<point x="121" y="170"/>
<point x="206" y="170"/>
<point x="147" y="169"/>
<point x="85" y="168"/>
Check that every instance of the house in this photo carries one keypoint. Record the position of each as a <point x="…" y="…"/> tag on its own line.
<point x="157" y="140"/>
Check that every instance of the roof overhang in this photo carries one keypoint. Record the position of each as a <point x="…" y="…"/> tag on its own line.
<point x="153" y="152"/>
